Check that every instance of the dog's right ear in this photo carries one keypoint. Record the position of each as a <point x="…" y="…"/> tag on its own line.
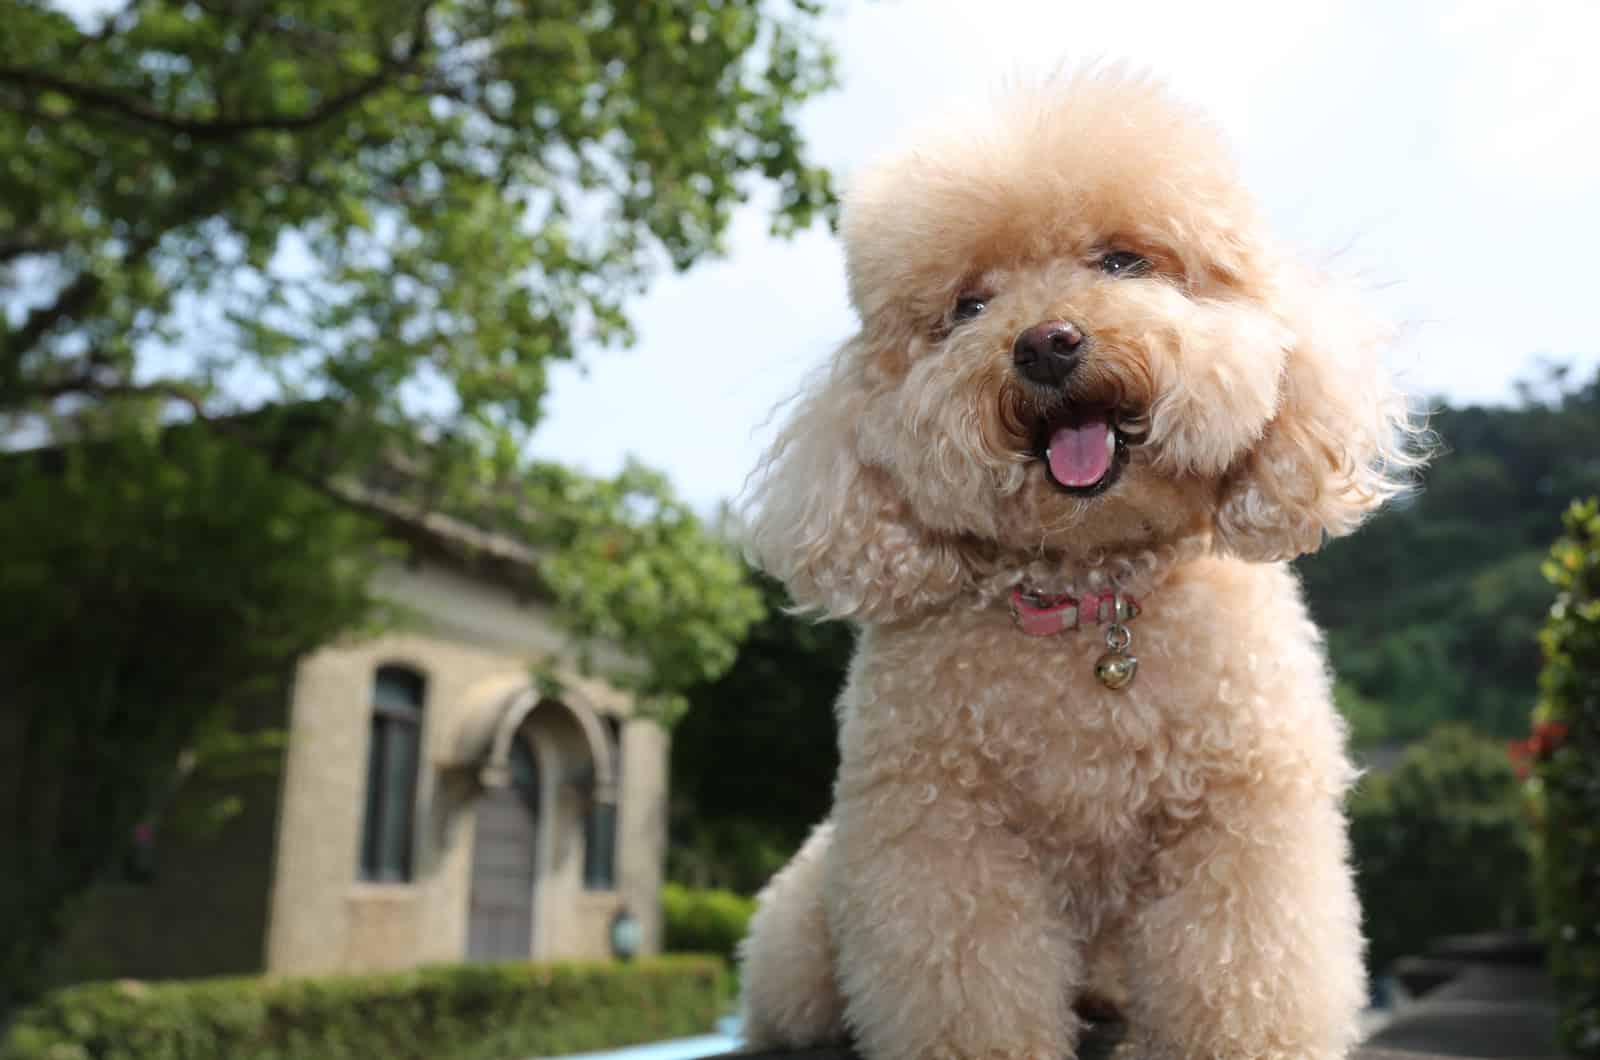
<point x="833" y="528"/>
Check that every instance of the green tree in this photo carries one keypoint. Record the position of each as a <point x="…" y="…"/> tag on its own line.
<point x="753" y="761"/>
<point x="149" y="585"/>
<point x="364" y="229"/>
<point x="1441" y="845"/>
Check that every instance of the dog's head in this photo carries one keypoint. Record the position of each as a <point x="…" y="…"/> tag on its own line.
<point x="1076" y="338"/>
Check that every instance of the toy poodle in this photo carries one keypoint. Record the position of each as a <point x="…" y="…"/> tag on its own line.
<point x="1091" y="411"/>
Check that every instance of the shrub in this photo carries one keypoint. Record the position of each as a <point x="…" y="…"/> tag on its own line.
<point x="704" y="921"/>
<point x="732" y="853"/>
<point x="1441" y="845"/>
<point x="455" y="1012"/>
<point x="1565" y="752"/>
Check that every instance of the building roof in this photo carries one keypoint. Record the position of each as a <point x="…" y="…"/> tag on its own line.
<point x="388" y="491"/>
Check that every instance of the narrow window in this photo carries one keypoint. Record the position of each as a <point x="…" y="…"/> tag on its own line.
<point x="600" y="829"/>
<point x="393" y="755"/>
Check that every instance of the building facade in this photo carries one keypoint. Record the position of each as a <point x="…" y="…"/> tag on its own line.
<point x="452" y="789"/>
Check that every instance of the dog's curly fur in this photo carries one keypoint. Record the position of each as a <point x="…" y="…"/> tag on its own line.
<point x="1002" y="823"/>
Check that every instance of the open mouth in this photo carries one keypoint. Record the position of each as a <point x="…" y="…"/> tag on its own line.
<point x="1083" y="448"/>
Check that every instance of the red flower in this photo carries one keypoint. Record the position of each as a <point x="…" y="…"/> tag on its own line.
<point x="1521" y="753"/>
<point x="1548" y="736"/>
<point x="1546" y="740"/>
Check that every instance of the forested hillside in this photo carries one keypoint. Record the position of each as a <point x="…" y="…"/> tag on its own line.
<point x="1432" y="609"/>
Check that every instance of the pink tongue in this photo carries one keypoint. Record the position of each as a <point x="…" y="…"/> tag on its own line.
<point x="1080" y="455"/>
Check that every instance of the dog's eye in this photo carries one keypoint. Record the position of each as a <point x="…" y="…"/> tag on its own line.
<point x="1123" y="263"/>
<point x="969" y="306"/>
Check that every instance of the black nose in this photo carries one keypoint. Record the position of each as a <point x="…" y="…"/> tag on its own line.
<point x="1047" y="352"/>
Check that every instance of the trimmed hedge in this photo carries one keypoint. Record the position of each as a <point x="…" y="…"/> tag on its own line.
<point x="1565" y="750"/>
<point x="704" y="921"/>
<point x="454" y="1012"/>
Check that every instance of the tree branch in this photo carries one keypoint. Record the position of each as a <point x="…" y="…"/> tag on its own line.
<point x="195" y="128"/>
<point x="72" y="300"/>
<point x="21" y="244"/>
<point x="212" y="129"/>
<point x="88" y="386"/>
<point x="77" y="296"/>
<point x="69" y="302"/>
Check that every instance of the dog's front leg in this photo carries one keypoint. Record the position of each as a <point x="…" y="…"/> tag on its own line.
<point x="947" y="943"/>
<point x="786" y="964"/>
<point x="1254" y="952"/>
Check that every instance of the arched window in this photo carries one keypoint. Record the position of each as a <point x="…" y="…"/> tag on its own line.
<point x="392" y="758"/>
<point x="600" y="827"/>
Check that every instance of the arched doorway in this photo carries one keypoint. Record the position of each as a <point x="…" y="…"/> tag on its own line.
<point x="500" y="914"/>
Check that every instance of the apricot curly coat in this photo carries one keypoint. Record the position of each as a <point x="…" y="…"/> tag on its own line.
<point x="1002" y="823"/>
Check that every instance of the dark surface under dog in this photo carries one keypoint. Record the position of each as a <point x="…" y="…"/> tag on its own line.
<point x="1493" y="1030"/>
<point x="1096" y="1046"/>
<point x="1092" y="1050"/>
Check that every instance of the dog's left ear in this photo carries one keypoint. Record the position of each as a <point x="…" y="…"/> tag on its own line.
<point x="1338" y="446"/>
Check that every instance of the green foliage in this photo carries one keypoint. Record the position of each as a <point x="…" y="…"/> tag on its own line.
<point x="458" y="1012"/>
<point x="753" y="761"/>
<point x="629" y="563"/>
<point x="1433" y="609"/>
<point x="1367" y="718"/>
<point x="1441" y="845"/>
<point x="738" y="849"/>
<point x="1566" y="747"/>
<point x="194" y="901"/>
<point x="377" y="195"/>
<point x="704" y="921"/>
<point x="152" y="586"/>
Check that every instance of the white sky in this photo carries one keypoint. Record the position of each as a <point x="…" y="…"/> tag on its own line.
<point x="1446" y="153"/>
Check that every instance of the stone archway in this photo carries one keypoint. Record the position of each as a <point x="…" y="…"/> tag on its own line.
<point x="486" y="740"/>
<point x="527" y="762"/>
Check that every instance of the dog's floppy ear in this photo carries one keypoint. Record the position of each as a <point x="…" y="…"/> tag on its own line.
<point x="1338" y="445"/>
<point x="833" y="528"/>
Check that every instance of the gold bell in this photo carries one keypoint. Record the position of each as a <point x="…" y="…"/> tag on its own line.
<point x="1116" y="668"/>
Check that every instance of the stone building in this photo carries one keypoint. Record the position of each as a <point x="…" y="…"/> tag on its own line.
<point x="449" y="790"/>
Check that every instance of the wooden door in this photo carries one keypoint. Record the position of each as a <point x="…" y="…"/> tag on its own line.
<point x="500" y="918"/>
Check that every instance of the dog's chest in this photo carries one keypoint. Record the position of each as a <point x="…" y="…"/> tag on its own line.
<point x="1023" y="724"/>
<point x="1098" y="757"/>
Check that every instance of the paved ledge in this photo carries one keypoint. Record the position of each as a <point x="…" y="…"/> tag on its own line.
<point x="847" y="1054"/>
<point x="1482" y="996"/>
<point x="1100" y="1042"/>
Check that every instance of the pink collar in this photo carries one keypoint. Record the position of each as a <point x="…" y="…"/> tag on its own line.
<point x="1040" y="615"/>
